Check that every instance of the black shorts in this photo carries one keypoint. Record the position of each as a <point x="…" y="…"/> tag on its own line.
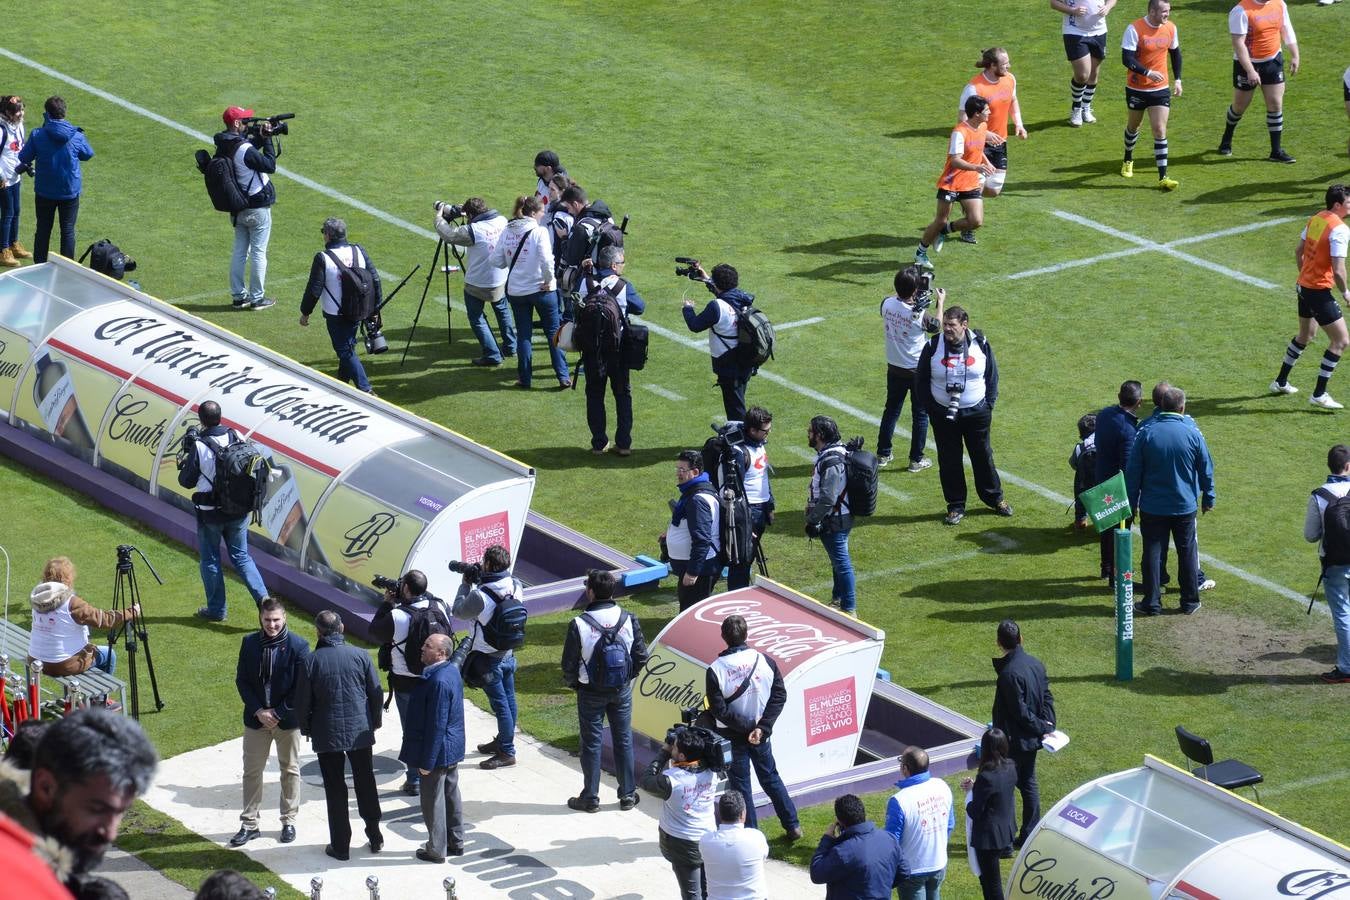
<point x="1077" y="46"/>
<point x="1144" y="99"/>
<point x="955" y="196"/>
<point x="1270" y="72"/>
<point x="997" y="156"/>
<point x="1318" y="304"/>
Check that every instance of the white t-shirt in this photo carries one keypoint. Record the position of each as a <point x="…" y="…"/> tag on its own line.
<point x="756" y="479"/>
<point x="733" y="861"/>
<point x="905" y="333"/>
<point x="957" y="145"/>
<point x="1237" y="24"/>
<point x="1093" y="23"/>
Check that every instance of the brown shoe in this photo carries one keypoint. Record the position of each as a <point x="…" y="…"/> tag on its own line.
<point x="7" y="259"/>
<point x="497" y="761"/>
<point x="19" y="251"/>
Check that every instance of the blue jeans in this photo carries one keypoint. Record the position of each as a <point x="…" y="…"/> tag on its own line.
<point x="501" y="694"/>
<point x="836" y="548"/>
<point x="47" y="210"/>
<point x="592" y="709"/>
<point x="899" y="384"/>
<point x="235" y="533"/>
<point x="1337" y="581"/>
<point x="473" y="311"/>
<point x="745" y="754"/>
<point x="1156" y="530"/>
<point x="923" y="887"/>
<point x="105" y="659"/>
<point x="252" y="230"/>
<point x="401" y="699"/>
<point x="343" y="335"/>
<point x="550" y="317"/>
<point x="9" y="214"/>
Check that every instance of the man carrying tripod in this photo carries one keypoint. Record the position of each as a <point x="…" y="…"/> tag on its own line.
<point x="749" y="467"/>
<point x="326" y="278"/>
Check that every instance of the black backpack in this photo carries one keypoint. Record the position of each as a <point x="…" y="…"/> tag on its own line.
<point x="588" y="236"/>
<point x="1085" y="470"/>
<point x="610" y="666"/>
<point x="1335" y="529"/>
<point x="357" y="283"/>
<point x="107" y="258"/>
<point x="599" y="319"/>
<point x="754" y="337"/>
<point x="218" y="172"/>
<point x="242" y="472"/>
<point x="860" y="477"/>
<point x="505" y="630"/>
<point x="633" y="346"/>
<point x="422" y="624"/>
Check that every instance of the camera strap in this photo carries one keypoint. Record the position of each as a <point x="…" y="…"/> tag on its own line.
<point x="516" y="256"/>
<point x="745" y="685"/>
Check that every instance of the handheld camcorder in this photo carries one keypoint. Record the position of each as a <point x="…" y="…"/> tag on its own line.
<point x="716" y="749"/>
<point x="253" y="125"/>
<point x="688" y="268"/>
<point x="923" y="291"/>
<point x="472" y="572"/>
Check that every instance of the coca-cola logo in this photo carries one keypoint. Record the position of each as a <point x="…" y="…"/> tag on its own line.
<point x="767" y="633"/>
<point x="1313" y="883"/>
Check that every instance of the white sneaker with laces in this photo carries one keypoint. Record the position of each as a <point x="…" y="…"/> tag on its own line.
<point x="1076" y="116"/>
<point x="920" y="465"/>
<point x="1088" y="117"/>
<point x="1207" y="584"/>
<point x="884" y="461"/>
<point x="1286" y="388"/>
<point x="1324" y="400"/>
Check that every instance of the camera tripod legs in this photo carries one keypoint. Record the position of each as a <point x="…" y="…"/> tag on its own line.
<point x="441" y="258"/>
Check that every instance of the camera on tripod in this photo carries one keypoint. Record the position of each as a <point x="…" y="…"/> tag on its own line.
<point x="472" y="572"/>
<point x="716" y="753"/>
<point x="449" y="211"/>
<point x="688" y="268"/>
<point x="253" y="126"/>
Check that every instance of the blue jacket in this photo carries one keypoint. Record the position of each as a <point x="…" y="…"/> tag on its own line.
<point x="1170" y="471"/>
<point x="339" y="698"/>
<point x="57" y="148"/>
<point x="863" y="863"/>
<point x="1116" y="428"/>
<point x="433" y="732"/>
<point x="701" y="525"/>
<point x="728" y="363"/>
<point x="286" y="668"/>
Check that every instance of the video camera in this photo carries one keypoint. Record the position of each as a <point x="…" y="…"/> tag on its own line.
<point x="253" y="126"/>
<point x="472" y="572"/>
<point x="449" y="211"/>
<point x="716" y="753"/>
<point x="923" y="291"/>
<point x="690" y="269"/>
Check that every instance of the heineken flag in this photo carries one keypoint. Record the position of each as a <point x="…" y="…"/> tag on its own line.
<point x="1107" y="503"/>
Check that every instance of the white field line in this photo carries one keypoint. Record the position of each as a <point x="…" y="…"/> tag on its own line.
<point x="225" y="294"/>
<point x="662" y="392"/>
<point x="1312" y="781"/>
<point x="1000" y="543"/>
<point x="799" y="323"/>
<point x="1076" y="263"/>
<point x="685" y="339"/>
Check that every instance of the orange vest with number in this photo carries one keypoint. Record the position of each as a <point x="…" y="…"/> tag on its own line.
<point x="960" y="180"/>
<point x="1154" y="42"/>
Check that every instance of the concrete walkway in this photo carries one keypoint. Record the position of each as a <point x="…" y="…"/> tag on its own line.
<point x="521" y="839"/>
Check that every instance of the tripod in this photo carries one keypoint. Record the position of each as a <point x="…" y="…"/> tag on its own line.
<point x="440" y="258"/>
<point x="126" y="595"/>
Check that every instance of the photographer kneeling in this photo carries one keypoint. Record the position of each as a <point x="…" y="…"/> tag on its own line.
<point x="958" y="379"/>
<point x="679" y="777"/>
<point x="490" y="598"/>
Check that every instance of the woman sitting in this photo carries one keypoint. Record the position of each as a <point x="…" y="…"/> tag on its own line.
<point x="61" y="624"/>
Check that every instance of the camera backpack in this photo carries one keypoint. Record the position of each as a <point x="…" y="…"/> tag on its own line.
<point x="356" y="284"/>
<point x="754" y="337"/>
<point x="242" y="473"/>
<point x="1335" y="529"/>
<point x="423" y="623"/>
<point x="218" y="172"/>
<point x="610" y="665"/>
<point x="107" y="258"/>
<point x="505" y="629"/>
<point x="633" y="346"/>
<point x="599" y="319"/>
<point x="861" y="468"/>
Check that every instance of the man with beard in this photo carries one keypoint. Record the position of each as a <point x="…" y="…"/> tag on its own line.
<point x="89" y="768"/>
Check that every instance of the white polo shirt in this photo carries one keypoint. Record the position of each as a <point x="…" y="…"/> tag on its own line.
<point x="733" y="862"/>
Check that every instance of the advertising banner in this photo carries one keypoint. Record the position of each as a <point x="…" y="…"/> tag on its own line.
<point x="1054" y="866"/>
<point x="1265" y="864"/>
<point x="1107" y="504"/>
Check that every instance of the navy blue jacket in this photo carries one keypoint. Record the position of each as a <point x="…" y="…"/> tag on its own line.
<point x="56" y="148"/>
<point x="728" y="363"/>
<point x="433" y="732"/>
<point x="339" y="698"/>
<point x="701" y="525"/>
<point x="1024" y="708"/>
<point x="264" y="160"/>
<point x="863" y="863"/>
<point x="1116" y="427"/>
<point x="286" y="669"/>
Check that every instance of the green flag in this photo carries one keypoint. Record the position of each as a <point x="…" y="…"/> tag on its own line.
<point x="1107" y="503"/>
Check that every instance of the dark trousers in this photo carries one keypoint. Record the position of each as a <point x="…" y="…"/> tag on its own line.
<point x="333" y="769"/>
<point x="738" y="576"/>
<point x="47" y="210"/>
<point x="744" y="755"/>
<point x="9" y="214"/>
<point x="701" y="589"/>
<point x="991" y="879"/>
<point x="972" y="428"/>
<point x="597" y="373"/>
<point x="1025" y="761"/>
<point x="899" y="384"/>
<point x="342" y="333"/>
<point x="593" y="707"/>
<point x="442" y="811"/>
<point x="733" y="393"/>
<point x="1156" y="531"/>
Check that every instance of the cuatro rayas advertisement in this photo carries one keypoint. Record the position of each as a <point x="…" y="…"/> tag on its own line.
<point x="114" y="378"/>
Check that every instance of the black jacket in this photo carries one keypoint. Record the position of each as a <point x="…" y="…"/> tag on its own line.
<point x="1023" y="706"/>
<point x="338" y="699"/>
<point x="572" y="663"/>
<point x="262" y="160"/>
<point x="991" y="808"/>
<point x="286" y="668"/>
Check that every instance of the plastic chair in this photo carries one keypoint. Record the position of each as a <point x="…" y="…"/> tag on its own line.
<point x="1229" y="773"/>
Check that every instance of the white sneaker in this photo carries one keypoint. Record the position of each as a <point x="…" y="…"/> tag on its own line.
<point x="920" y="465"/>
<point x="1324" y="400"/>
<point x="1088" y="117"/>
<point x="1076" y="116"/>
<point x="884" y="461"/>
<point x="1207" y="584"/>
<point x="1325" y="2"/>
<point x="1286" y="388"/>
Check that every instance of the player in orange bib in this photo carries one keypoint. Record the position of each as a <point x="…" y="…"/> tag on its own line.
<point x="1320" y="258"/>
<point x="1145" y="48"/>
<point x="995" y="83"/>
<point x="1257" y="28"/>
<point x="962" y="180"/>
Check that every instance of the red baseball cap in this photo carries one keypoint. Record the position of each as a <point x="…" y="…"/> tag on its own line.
<point x="235" y="113"/>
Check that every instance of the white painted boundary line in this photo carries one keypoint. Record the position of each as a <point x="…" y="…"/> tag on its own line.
<point x="1000" y="544"/>
<point x="678" y="338"/>
<point x="662" y="392"/>
<point x="1144" y="245"/>
<point x="225" y="294"/>
<point x="814" y="320"/>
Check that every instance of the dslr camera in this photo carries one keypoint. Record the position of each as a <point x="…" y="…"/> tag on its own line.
<point x="954" y="392"/>
<point x="385" y="583"/>
<point x="188" y="447"/>
<point x="253" y="127"/>
<point x="449" y="211"/>
<point x="372" y="331"/>
<point x="472" y="572"/>
<point x="716" y="753"/>
<point x="688" y="268"/>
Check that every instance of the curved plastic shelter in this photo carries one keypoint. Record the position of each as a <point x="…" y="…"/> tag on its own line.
<point x="1159" y="833"/>
<point x="100" y="382"/>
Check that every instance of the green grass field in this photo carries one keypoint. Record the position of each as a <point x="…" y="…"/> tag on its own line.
<point x="801" y="143"/>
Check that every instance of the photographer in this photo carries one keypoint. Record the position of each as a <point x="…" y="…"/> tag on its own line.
<point x="679" y="777"/>
<point x="484" y="280"/>
<point x="197" y="473"/>
<point x="745" y="695"/>
<point x="61" y="622"/>
<point x="546" y="166"/>
<point x="692" y="539"/>
<point x="907" y="324"/>
<point x="405" y="604"/>
<point x="525" y="250"/>
<point x="752" y="467"/>
<point x="827" y="511"/>
<point x="477" y="603"/>
<point x="609" y="366"/>
<point x="325" y="282"/>
<point x="719" y="319"/>
<point x="958" y="379"/>
<point x="254" y="159"/>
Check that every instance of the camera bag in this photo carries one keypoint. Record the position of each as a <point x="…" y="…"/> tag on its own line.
<point x="1335" y="529"/>
<point x="610" y="665"/>
<point x="218" y="172"/>
<point x="242" y="472"/>
<point x="423" y="623"/>
<point x="505" y="629"/>
<point x="754" y="337"/>
<point x="357" y="285"/>
<point x="599" y="319"/>
<point x="107" y="258"/>
<point x="861" y="469"/>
